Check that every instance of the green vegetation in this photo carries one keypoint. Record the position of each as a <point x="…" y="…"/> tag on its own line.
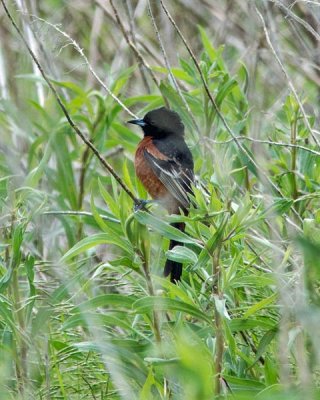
<point x="84" y="310"/>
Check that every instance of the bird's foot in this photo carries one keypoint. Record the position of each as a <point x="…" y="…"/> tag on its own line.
<point x="141" y="204"/>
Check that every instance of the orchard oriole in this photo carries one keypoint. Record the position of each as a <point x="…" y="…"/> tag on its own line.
<point x="164" y="165"/>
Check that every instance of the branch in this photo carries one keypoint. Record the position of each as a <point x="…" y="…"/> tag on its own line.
<point x="216" y="108"/>
<point x="301" y="21"/>
<point x="130" y="16"/>
<point x="86" y="61"/>
<point x="268" y="142"/>
<point x="77" y="130"/>
<point x="134" y="47"/>
<point x="286" y="75"/>
<point x="166" y="60"/>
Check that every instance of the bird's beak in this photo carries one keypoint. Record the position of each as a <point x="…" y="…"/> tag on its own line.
<point x="139" y="122"/>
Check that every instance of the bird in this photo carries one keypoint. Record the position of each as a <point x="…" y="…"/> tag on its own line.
<point x="164" y="164"/>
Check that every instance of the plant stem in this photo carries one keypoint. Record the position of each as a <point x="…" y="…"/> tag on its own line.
<point x="21" y="352"/>
<point x="63" y="108"/>
<point x="294" y="156"/>
<point x="12" y="263"/>
<point x="218" y="321"/>
<point x="135" y="50"/>
<point x="156" y="324"/>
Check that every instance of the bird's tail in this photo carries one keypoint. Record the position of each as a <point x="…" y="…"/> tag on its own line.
<point x="174" y="268"/>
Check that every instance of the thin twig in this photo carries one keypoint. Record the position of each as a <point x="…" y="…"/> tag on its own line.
<point x="130" y="15"/>
<point x="294" y="156"/>
<point x="210" y="95"/>
<point x="115" y="151"/>
<point x="86" y="62"/>
<point x="166" y="60"/>
<point x="292" y="88"/>
<point x="131" y="44"/>
<point x="216" y="108"/>
<point x="84" y="165"/>
<point x="97" y="24"/>
<point x="268" y="142"/>
<point x="77" y="130"/>
<point x="156" y="322"/>
<point x="301" y="21"/>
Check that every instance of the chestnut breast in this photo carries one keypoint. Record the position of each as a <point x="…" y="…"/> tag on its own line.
<point x="144" y="171"/>
<point x="150" y="181"/>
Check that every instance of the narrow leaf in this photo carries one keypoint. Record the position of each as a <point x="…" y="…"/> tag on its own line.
<point x="163" y="228"/>
<point x="155" y="303"/>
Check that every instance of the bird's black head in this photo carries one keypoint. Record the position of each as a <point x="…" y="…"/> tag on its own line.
<point x="160" y="122"/>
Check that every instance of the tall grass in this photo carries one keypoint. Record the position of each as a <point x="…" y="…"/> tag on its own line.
<point x="84" y="309"/>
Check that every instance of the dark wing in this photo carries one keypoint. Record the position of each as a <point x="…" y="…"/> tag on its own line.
<point x="175" y="173"/>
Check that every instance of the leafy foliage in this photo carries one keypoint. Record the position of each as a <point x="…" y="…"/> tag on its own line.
<point x="84" y="311"/>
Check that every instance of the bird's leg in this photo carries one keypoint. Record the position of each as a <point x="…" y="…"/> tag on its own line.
<point x="143" y="203"/>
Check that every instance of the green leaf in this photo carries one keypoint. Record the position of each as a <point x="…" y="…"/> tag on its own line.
<point x="280" y="206"/>
<point x="71" y="86"/>
<point x="261" y="304"/>
<point x="29" y="266"/>
<point x="147" y="389"/>
<point x="211" y="245"/>
<point x="253" y="281"/>
<point x="264" y="342"/>
<point x="95" y="240"/>
<point x="164" y="228"/>
<point x="224" y="90"/>
<point x="161" y="361"/>
<point x="105" y="300"/>
<point x="176" y="72"/>
<point x="210" y="50"/>
<point x="65" y="179"/>
<point x="90" y="319"/>
<point x="243" y="384"/>
<point x="244" y="74"/>
<point x="242" y="324"/>
<point x="6" y="279"/>
<point x="182" y="254"/>
<point x="17" y="237"/>
<point x="6" y="313"/>
<point x="103" y="226"/>
<point x="110" y="201"/>
<point x="155" y="303"/>
<point x="35" y="175"/>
